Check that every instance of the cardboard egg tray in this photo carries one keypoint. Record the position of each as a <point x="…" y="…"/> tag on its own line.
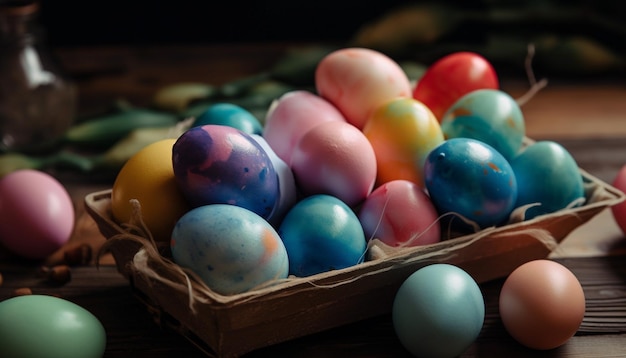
<point x="229" y="326"/>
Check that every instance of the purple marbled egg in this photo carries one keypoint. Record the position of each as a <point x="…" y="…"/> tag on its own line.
<point x="216" y="164"/>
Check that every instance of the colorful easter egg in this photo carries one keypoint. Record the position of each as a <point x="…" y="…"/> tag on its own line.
<point x="216" y="164"/>
<point x="230" y="248"/>
<point x="321" y="233"/>
<point x="548" y="176"/>
<point x="359" y="80"/>
<point x="468" y="177"/>
<point x="399" y="213"/>
<point x="402" y="133"/>
<point x="490" y="116"/>
<point x="335" y="158"/>
<point x="292" y="115"/>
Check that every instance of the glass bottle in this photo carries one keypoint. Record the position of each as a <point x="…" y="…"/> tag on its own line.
<point x="37" y="101"/>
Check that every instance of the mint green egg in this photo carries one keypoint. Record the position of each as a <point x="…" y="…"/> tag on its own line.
<point x="42" y="326"/>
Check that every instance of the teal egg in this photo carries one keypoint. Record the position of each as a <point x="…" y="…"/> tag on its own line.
<point x="41" y="326"/>
<point x="232" y="115"/>
<point x="232" y="249"/>
<point x="547" y="175"/>
<point x="438" y="311"/>
<point x="489" y="115"/>
<point x="321" y="233"/>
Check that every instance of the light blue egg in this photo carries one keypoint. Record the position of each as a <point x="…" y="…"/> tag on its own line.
<point x="438" y="311"/>
<point x="42" y="326"/>
<point x="489" y="115"/>
<point x="232" y="115"/>
<point x="231" y="248"/>
<point x="468" y="177"/>
<point x="288" y="192"/>
<point x="321" y="233"/>
<point x="547" y="175"/>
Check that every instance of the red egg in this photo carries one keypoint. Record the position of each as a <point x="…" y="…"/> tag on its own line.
<point x="292" y="115"/>
<point x="451" y="77"/>
<point x="619" y="210"/>
<point x="399" y="213"/>
<point x="335" y="158"/>
<point x="358" y="80"/>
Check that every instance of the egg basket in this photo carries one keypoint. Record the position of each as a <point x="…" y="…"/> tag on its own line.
<point x="229" y="326"/>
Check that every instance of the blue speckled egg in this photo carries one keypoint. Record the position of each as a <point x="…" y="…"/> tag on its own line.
<point x="232" y="249"/>
<point x="547" y="175"/>
<point x="471" y="178"/>
<point x="215" y="164"/>
<point x="232" y="115"/>
<point x="489" y="115"/>
<point x="321" y="233"/>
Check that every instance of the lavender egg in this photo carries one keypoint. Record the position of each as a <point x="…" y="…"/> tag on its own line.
<point x="217" y="164"/>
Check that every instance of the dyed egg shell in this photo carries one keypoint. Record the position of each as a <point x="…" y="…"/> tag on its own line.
<point x="215" y="164"/>
<point x="321" y="233"/>
<point x="359" y="80"/>
<point x="148" y="177"/>
<point x="232" y="249"/>
<point x="36" y="213"/>
<point x="37" y="326"/>
<point x="490" y="116"/>
<point x="402" y="132"/>
<point x="231" y="115"/>
<point x="292" y="115"/>
<point x="335" y="158"/>
<point x="542" y="304"/>
<point x="399" y="213"/>
<point x="468" y="177"/>
<point x="438" y="311"/>
<point x="286" y="183"/>
<point x="451" y="77"/>
<point x="547" y="175"/>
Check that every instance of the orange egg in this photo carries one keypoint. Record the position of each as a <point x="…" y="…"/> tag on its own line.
<point x="148" y="176"/>
<point x="542" y="304"/>
<point x="402" y="133"/>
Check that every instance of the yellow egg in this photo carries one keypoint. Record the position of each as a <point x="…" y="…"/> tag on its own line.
<point x="402" y="132"/>
<point x="148" y="176"/>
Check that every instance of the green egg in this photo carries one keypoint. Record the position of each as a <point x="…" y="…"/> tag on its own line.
<point x="42" y="326"/>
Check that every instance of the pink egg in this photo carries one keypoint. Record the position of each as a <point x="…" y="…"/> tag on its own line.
<point x="292" y="115"/>
<point x="400" y="213"/>
<point x="335" y="158"/>
<point x="358" y="80"/>
<point x="36" y="214"/>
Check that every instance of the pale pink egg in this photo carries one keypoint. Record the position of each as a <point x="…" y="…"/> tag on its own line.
<point x="400" y="213"/>
<point x="292" y="115"/>
<point x="358" y="80"/>
<point x="36" y="214"/>
<point x="335" y="158"/>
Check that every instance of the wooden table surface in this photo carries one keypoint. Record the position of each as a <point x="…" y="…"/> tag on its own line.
<point x="588" y="117"/>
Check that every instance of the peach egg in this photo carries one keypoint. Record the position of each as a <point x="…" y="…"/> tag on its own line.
<point x="358" y="80"/>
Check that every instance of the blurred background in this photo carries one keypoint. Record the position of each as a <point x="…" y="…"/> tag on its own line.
<point x="571" y="38"/>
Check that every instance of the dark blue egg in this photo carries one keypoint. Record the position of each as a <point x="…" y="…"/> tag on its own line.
<point x="547" y="175"/>
<point x="471" y="178"/>
<point x="216" y="164"/>
<point x="321" y="233"/>
<point x="232" y="115"/>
